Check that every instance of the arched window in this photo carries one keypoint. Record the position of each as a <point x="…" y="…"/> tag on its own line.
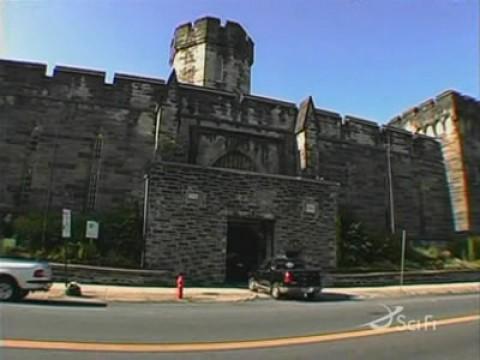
<point x="235" y="160"/>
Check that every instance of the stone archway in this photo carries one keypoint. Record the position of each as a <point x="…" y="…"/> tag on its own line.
<point x="235" y="160"/>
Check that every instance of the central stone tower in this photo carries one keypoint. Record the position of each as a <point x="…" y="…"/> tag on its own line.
<point x="208" y="54"/>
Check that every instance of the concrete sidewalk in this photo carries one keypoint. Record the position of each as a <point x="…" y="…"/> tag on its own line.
<point x="156" y="294"/>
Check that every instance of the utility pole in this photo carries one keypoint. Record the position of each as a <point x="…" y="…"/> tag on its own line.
<point x="146" y="191"/>
<point x="402" y="261"/>
<point x="390" y="185"/>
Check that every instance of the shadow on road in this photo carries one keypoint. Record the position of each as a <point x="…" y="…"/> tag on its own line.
<point x="330" y="296"/>
<point x="324" y="297"/>
<point x="63" y="302"/>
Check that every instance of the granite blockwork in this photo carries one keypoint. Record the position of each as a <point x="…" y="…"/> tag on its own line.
<point x="189" y="209"/>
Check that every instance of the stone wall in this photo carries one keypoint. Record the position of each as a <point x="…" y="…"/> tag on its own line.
<point x="361" y="156"/>
<point x="98" y="136"/>
<point x="87" y="274"/>
<point x="468" y="110"/>
<point x="189" y="208"/>
<point x="453" y="120"/>
<point x="207" y="125"/>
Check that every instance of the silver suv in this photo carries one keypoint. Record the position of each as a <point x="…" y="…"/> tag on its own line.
<point x="19" y="277"/>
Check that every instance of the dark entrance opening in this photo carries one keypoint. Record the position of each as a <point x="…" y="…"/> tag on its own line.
<point x="249" y="242"/>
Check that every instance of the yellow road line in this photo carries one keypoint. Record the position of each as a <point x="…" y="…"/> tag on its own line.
<point x="228" y="345"/>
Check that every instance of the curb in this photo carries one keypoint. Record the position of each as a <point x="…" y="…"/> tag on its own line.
<point x="100" y="296"/>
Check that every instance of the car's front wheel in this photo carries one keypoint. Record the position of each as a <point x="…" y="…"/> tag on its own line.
<point x="8" y="289"/>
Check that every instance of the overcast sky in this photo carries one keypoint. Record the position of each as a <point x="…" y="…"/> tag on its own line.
<point x="369" y="58"/>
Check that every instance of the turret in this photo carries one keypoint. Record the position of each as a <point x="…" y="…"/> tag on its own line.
<point x="208" y="54"/>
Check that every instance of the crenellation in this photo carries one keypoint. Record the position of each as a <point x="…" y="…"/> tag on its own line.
<point x="330" y="123"/>
<point x="360" y="122"/>
<point x="426" y="106"/>
<point x="207" y="28"/>
<point x="360" y="131"/>
<point x="328" y="113"/>
<point x="60" y="72"/>
<point x="127" y="78"/>
<point x="400" y="140"/>
<point x="18" y="73"/>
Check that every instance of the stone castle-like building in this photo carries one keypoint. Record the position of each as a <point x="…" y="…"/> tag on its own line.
<point x="232" y="177"/>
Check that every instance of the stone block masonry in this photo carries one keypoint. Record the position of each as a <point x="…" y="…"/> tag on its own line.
<point x="70" y="139"/>
<point x="389" y="177"/>
<point x="453" y="120"/>
<point x="189" y="208"/>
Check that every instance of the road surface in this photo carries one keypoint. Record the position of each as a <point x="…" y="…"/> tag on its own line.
<point x="250" y="325"/>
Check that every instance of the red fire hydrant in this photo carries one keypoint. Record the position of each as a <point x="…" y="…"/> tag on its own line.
<point x="180" y="286"/>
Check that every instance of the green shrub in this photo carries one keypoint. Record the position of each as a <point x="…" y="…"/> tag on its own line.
<point x="356" y="247"/>
<point x="119" y="244"/>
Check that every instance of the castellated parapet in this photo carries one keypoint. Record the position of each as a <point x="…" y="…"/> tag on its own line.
<point x="26" y="78"/>
<point x="208" y="54"/>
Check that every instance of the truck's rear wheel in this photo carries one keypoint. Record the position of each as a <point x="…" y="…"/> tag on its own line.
<point x="8" y="289"/>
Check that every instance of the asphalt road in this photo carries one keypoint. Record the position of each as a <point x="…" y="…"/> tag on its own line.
<point x="174" y="323"/>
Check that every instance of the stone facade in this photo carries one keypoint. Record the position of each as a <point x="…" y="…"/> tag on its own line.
<point x="73" y="140"/>
<point x="389" y="177"/>
<point x="190" y="206"/>
<point x="454" y="121"/>
<point x="70" y="139"/>
<point x="211" y="55"/>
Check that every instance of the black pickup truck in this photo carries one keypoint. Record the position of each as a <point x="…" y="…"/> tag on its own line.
<point x="283" y="276"/>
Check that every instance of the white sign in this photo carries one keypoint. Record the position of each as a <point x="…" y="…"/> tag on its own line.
<point x="92" y="230"/>
<point x="310" y="208"/>
<point x="192" y="196"/>
<point x="66" y="223"/>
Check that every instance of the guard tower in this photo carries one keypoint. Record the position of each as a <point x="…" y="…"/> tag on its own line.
<point x="208" y="54"/>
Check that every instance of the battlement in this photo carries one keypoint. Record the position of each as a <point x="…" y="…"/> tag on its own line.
<point x="15" y="70"/>
<point x="427" y="106"/>
<point x="70" y="82"/>
<point x="23" y="71"/>
<point x="210" y="30"/>
<point x="362" y="132"/>
<point x="430" y="116"/>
